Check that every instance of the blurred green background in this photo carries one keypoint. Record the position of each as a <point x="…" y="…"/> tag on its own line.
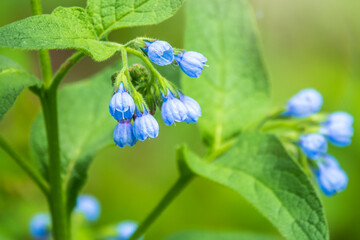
<point x="305" y="44"/>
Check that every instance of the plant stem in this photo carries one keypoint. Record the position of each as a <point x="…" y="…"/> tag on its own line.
<point x="173" y="192"/>
<point x="26" y="166"/>
<point x="57" y="199"/>
<point x="45" y="62"/>
<point x="145" y="60"/>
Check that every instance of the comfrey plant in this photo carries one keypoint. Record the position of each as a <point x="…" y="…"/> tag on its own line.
<point x="268" y="157"/>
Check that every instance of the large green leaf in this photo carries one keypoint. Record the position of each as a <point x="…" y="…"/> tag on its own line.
<point x="108" y="15"/>
<point x="210" y="235"/>
<point x="64" y="28"/>
<point x="85" y="127"/>
<point x="13" y="80"/>
<point x="233" y="90"/>
<point x="259" y="168"/>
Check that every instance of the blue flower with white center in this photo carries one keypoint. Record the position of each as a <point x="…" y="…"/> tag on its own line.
<point x="126" y="229"/>
<point x="330" y="177"/>
<point x="192" y="107"/>
<point x="314" y="145"/>
<point x="122" y="105"/>
<point x="89" y="206"/>
<point x="160" y="52"/>
<point x="304" y="103"/>
<point x="145" y="126"/>
<point x="124" y="133"/>
<point x="338" y="128"/>
<point x="40" y="226"/>
<point x="172" y="109"/>
<point x="191" y="63"/>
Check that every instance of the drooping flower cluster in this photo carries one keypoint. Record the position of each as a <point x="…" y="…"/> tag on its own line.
<point x="316" y="131"/>
<point x="138" y="93"/>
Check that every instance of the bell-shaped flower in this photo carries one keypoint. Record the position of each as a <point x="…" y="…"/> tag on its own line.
<point x="145" y="125"/>
<point x="191" y="63"/>
<point x="124" y="134"/>
<point x="338" y="128"/>
<point x="330" y="177"/>
<point x="172" y="109"/>
<point x="89" y="206"/>
<point x="122" y="105"/>
<point x="40" y="226"/>
<point x="314" y="145"/>
<point x="193" y="108"/>
<point x="304" y="103"/>
<point x="159" y="52"/>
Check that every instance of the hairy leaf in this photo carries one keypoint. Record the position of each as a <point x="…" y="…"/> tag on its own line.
<point x="211" y="235"/>
<point x="85" y="127"/>
<point x="13" y="80"/>
<point x="108" y="15"/>
<point x="233" y="90"/>
<point x="259" y="168"/>
<point x="64" y="28"/>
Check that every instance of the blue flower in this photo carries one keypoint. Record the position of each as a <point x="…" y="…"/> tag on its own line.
<point x="145" y="126"/>
<point x="172" y="109"/>
<point x="121" y="105"/>
<point x="40" y="226"/>
<point x="191" y="63"/>
<point x="338" y="128"/>
<point x="89" y="206"/>
<point x="304" y="103"/>
<point x="314" y="145"/>
<point x="160" y="52"/>
<point x="125" y="229"/>
<point x="124" y="134"/>
<point x="330" y="176"/>
<point x="192" y="107"/>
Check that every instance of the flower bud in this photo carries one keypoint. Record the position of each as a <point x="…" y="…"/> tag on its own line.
<point x="160" y="52"/>
<point x="123" y="133"/>
<point x="193" y="108"/>
<point x="314" y="145"/>
<point x="330" y="177"/>
<point x="338" y="128"/>
<point x="40" y="226"/>
<point x="145" y="126"/>
<point x="191" y="63"/>
<point x="172" y="109"/>
<point x="89" y="206"/>
<point x="121" y="105"/>
<point x="304" y="103"/>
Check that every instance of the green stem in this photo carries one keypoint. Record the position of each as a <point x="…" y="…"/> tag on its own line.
<point x="57" y="198"/>
<point x="45" y="62"/>
<point x="147" y="62"/>
<point x="173" y="192"/>
<point x="26" y="166"/>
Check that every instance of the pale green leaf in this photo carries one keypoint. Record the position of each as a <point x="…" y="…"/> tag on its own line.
<point x="13" y="80"/>
<point x="108" y="15"/>
<point x="259" y="168"/>
<point x="233" y="91"/>
<point x="211" y="235"/>
<point x="64" y="28"/>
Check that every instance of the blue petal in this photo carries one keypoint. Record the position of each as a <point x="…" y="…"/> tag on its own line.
<point x="145" y="126"/>
<point x="192" y="107"/>
<point x="191" y="63"/>
<point x="89" y="206"/>
<point x="304" y="103"/>
<point x="173" y="110"/>
<point x="313" y="145"/>
<point x="160" y="52"/>
<point x="126" y="229"/>
<point x="123" y="134"/>
<point x="122" y="105"/>
<point x="39" y="226"/>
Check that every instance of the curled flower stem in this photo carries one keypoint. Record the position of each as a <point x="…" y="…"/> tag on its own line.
<point x="26" y="166"/>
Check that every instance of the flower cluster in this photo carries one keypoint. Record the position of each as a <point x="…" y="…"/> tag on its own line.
<point x="88" y="209"/>
<point x="138" y="94"/>
<point x="335" y="128"/>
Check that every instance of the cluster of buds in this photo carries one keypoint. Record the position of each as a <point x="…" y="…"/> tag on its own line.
<point x="138" y="94"/>
<point x="315" y="130"/>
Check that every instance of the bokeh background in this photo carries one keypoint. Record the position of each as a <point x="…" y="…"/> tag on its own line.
<point x="305" y="43"/>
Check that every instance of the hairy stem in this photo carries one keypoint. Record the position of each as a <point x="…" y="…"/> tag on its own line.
<point x="26" y="166"/>
<point x="152" y="69"/>
<point x="173" y="192"/>
<point x="57" y="198"/>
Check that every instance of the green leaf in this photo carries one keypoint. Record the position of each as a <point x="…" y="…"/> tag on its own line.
<point x="13" y="80"/>
<point x="233" y="91"/>
<point x="211" y="235"/>
<point x="259" y="168"/>
<point x="108" y="15"/>
<point x="85" y="127"/>
<point x="64" y="28"/>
